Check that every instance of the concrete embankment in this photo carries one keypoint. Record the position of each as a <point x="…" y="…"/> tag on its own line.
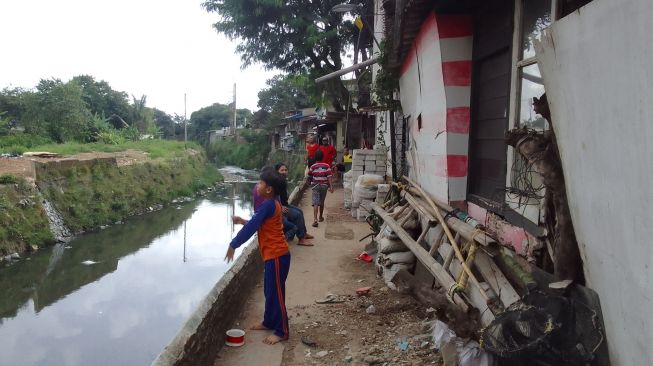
<point x="86" y="194"/>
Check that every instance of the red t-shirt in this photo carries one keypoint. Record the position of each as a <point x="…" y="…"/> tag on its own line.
<point x="311" y="149"/>
<point x="329" y="153"/>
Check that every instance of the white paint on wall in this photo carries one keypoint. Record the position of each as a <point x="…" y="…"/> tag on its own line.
<point x="597" y="65"/>
<point x="423" y="95"/>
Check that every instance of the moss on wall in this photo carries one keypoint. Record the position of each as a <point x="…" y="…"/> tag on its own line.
<point x="94" y="193"/>
<point x="22" y="220"/>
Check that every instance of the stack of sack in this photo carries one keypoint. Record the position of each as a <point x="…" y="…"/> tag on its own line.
<point x="393" y="255"/>
<point x="348" y="188"/>
<point x="364" y="194"/>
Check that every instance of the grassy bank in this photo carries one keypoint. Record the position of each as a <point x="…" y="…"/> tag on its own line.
<point x="92" y="193"/>
<point x="249" y="151"/>
<point x="154" y="148"/>
<point x="22" y="220"/>
<point x="102" y="193"/>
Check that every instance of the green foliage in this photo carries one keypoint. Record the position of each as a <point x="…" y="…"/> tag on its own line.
<point x="8" y="179"/>
<point x="292" y="36"/>
<point x="215" y="117"/>
<point x="110" y="137"/>
<point x="18" y="143"/>
<point x="142" y="117"/>
<point x="285" y="93"/>
<point x="90" y="196"/>
<point x="57" y="110"/>
<point x="249" y="151"/>
<point x="386" y="82"/>
<point x="102" y="100"/>
<point x="296" y="164"/>
<point x="22" y="220"/>
<point x="12" y="105"/>
<point x="82" y="110"/>
<point x="154" y="148"/>
<point x="165" y="123"/>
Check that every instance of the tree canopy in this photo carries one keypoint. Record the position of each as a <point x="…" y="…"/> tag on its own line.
<point x="284" y="93"/>
<point x="81" y="109"/>
<point x="292" y="36"/>
<point x="215" y="117"/>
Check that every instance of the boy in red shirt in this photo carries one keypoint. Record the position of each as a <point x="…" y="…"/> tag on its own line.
<point x="329" y="152"/>
<point x="273" y="246"/>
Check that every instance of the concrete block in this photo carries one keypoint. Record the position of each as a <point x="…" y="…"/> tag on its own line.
<point x="370" y="166"/>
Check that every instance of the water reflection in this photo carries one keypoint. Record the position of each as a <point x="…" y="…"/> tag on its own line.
<point x="147" y="279"/>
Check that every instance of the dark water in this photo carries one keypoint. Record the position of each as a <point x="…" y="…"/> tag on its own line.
<point x="150" y="275"/>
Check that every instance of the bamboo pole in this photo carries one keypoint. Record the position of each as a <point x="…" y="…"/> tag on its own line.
<point x="436" y="245"/>
<point x="444" y="278"/>
<point x="465" y="230"/>
<point x="454" y="244"/>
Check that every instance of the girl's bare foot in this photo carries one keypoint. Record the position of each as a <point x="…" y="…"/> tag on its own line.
<point x="259" y="326"/>
<point x="272" y="339"/>
<point x="305" y="242"/>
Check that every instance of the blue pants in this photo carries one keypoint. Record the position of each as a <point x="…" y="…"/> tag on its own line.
<point x="289" y="229"/>
<point x="296" y="217"/>
<point x="274" y="289"/>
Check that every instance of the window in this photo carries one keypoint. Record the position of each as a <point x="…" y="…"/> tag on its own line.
<point x="532" y="17"/>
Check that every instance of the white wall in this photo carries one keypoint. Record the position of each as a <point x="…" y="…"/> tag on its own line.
<point x="597" y="65"/>
<point x="422" y="93"/>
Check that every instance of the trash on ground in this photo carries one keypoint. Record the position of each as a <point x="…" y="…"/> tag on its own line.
<point x="365" y="257"/>
<point x="363" y="291"/>
<point x="309" y="341"/>
<point x="330" y="299"/>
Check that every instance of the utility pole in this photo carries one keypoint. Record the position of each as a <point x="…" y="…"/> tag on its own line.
<point x="185" y="122"/>
<point x="234" y="128"/>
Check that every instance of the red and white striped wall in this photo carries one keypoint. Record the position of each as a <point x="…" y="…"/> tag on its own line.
<point x="435" y="85"/>
<point x="456" y="49"/>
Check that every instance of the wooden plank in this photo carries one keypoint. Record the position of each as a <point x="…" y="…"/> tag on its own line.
<point x="496" y="279"/>
<point x="487" y="316"/>
<point x="459" y="226"/>
<point x="438" y="241"/>
<point x="406" y="217"/>
<point x="422" y="255"/>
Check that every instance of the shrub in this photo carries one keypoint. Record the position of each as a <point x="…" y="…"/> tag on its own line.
<point x="8" y="179"/>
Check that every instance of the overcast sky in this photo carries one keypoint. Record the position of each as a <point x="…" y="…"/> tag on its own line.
<point x="160" y="48"/>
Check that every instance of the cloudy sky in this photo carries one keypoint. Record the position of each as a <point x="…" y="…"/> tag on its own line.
<point x="160" y="48"/>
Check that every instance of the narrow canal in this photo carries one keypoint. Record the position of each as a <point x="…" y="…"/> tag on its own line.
<point x="118" y="296"/>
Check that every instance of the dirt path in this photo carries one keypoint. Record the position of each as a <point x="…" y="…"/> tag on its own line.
<point x="345" y="333"/>
<point x="22" y="166"/>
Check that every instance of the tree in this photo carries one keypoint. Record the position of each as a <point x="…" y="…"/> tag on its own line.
<point x="165" y="123"/>
<point x="215" y="117"/>
<point x="12" y="104"/>
<point x="285" y="93"/>
<point x="102" y="100"/>
<point x="57" y="110"/>
<point x="292" y="36"/>
<point x="142" y="117"/>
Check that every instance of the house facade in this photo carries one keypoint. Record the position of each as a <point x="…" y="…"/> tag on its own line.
<point x="468" y="72"/>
